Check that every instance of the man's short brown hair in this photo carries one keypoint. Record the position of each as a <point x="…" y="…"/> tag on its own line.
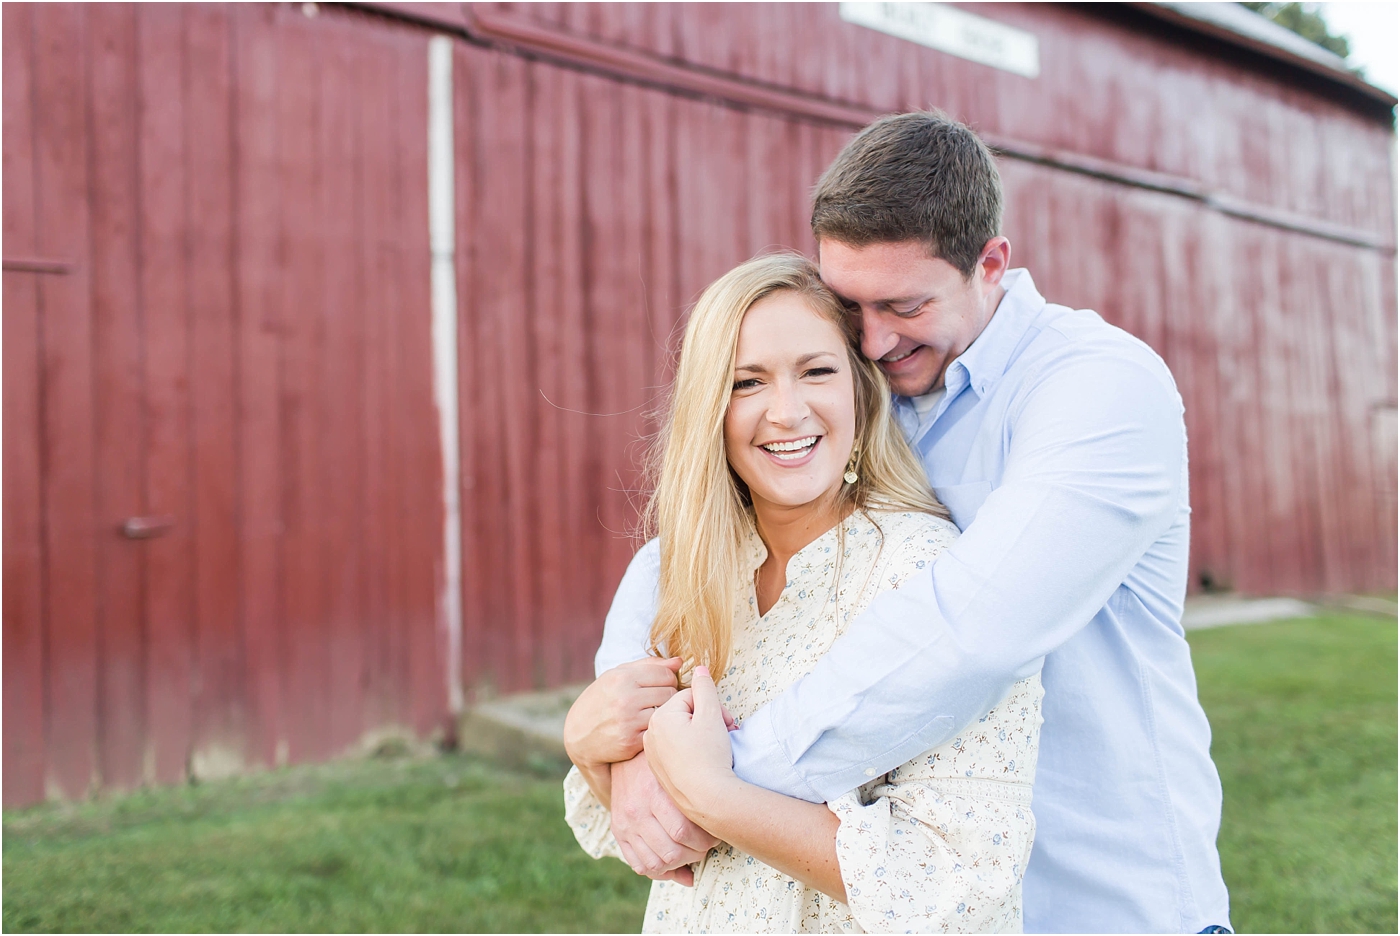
<point x="921" y="176"/>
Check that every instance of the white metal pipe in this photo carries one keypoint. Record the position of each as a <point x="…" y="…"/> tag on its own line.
<point x="442" y="242"/>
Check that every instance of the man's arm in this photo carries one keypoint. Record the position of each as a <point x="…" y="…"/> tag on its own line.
<point x="627" y="628"/>
<point x="654" y="836"/>
<point x="1093" y="478"/>
<point x="605" y="724"/>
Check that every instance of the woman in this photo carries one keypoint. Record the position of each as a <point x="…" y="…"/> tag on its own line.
<point x="785" y="500"/>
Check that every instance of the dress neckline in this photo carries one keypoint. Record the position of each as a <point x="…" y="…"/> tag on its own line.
<point x="827" y="542"/>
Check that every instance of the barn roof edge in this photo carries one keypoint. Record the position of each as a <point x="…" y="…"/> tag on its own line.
<point x="1243" y="28"/>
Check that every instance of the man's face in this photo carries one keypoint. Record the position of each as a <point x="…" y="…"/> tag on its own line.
<point x="917" y="313"/>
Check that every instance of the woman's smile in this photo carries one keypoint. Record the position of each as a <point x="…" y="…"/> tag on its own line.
<point x="792" y="452"/>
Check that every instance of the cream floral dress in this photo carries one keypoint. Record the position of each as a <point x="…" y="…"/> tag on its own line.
<point x="938" y="844"/>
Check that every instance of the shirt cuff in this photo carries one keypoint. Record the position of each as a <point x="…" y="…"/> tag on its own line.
<point x="760" y="758"/>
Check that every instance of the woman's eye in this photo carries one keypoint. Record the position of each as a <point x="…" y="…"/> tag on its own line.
<point x="820" y="372"/>
<point x="748" y="384"/>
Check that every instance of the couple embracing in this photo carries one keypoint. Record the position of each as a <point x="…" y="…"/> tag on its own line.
<point x="905" y="653"/>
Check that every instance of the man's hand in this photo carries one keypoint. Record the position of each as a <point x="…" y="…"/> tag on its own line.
<point x="656" y="838"/>
<point x="605" y="724"/>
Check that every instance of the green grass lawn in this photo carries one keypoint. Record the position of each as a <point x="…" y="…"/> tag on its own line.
<point x="1304" y="721"/>
<point x="1304" y="715"/>
<point x="442" y="844"/>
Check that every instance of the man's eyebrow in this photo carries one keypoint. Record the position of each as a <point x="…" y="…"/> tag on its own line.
<point x="918" y="299"/>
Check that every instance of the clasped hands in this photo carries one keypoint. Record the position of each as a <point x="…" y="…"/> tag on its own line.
<point x="657" y="757"/>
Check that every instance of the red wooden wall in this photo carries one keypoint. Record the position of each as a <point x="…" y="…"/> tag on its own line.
<point x="239" y="342"/>
<point x="591" y="213"/>
<point x="216" y="310"/>
<point x="599" y="190"/>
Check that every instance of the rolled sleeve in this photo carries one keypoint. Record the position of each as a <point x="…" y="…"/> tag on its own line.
<point x="759" y="752"/>
<point x="922" y="860"/>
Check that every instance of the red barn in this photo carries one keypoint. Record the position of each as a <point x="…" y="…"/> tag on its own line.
<point x="330" y="332"/>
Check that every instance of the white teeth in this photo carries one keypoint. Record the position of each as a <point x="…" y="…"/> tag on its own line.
<point x="792" y="446"/>
<point x="791" y="450"/>
<point x="890" y="360"/>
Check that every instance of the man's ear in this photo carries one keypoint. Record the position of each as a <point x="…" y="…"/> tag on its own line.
<point x="994" y="261"/>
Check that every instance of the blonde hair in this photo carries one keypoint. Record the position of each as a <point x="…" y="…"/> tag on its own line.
<point x="699" y="507"/>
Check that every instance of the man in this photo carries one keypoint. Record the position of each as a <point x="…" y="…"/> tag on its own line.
<point x="1057" y="443"/>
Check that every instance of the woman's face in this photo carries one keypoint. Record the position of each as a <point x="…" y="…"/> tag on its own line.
<point x="792" y="413"/>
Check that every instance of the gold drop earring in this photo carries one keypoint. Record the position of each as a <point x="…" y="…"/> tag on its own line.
<point x="850" y="477"/>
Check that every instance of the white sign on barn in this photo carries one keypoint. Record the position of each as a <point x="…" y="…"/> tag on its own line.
<point x="954" y="31"/>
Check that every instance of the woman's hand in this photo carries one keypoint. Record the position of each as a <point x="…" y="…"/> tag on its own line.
<point x="687" y="747"/>
<point x="606" y="722"/>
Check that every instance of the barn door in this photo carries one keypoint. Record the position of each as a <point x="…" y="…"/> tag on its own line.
<point x="223" y="517"/>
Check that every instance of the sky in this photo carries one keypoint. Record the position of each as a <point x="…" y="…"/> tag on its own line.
<point x="1373" y="30"/>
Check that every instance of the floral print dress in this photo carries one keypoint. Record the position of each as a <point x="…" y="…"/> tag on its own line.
<point x="938" y="844"/>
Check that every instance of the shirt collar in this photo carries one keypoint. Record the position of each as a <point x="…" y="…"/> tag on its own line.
<point x="986" y="359"/>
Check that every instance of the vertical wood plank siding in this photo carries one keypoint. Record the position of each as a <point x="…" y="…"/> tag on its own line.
<point x="1264" y="328"/>
<point x="591" y="213"/>
<point x="25" y="615"/>
<point x="241" y="342"/>
<point x="241" y="347"/>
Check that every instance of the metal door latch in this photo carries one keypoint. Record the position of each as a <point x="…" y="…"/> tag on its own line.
<point x="146" y="527"/>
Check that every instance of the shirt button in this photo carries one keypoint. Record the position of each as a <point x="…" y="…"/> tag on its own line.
<point x="870" y="771"/>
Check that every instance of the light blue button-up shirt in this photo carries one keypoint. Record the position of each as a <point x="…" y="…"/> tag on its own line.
<point x="1060" y="450"/>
